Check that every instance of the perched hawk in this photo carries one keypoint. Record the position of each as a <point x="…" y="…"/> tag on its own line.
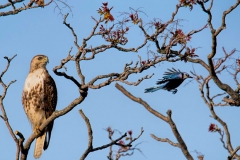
<point x="39" y="100"/>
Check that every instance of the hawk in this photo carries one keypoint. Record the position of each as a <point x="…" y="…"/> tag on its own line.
<point x="39" y="101"/>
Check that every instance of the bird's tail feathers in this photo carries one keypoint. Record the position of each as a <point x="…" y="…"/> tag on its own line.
<point x="152" y="89"/>
<point x="39" y="146"/>
<point x="161" y="81"/>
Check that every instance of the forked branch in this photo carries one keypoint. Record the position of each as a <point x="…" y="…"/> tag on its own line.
<point x="167" y="119"/>
<point x="2" y="108"/>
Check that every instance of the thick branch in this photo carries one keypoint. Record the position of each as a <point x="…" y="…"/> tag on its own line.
<point x="140" y="101"/>
<point x="10" y="3"/>
<point x="90" y="136"/>
<point x="215" y="33"/>
<point x="233" y="153"/>
<point x="181" y="142"/>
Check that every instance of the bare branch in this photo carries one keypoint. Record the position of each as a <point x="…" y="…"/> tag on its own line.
<point x="73" y="32"/>
<point x="20" y="143"/>
<point x="90" y="136"/>
<point x="221" y="139"/>
<point x="140" y="101"/>
<point x="233" y="153"/>
<point x="10" y="3"/>
<point x="90" y="139"/>
<point x="63" y="62"/>
<point x="210" y="104"/>
<point x="196" y="31"/>
<point x="109" y="144"/>
<point x="4" y="114"/>
<point x="165" y="140"/>
<point x="167" y="119"/>
<point x="17" y="10"/>
<point x="225" y="13"/>
<point x="93" y="31"/>
<point x="57" y="6"/>
<point x="208" y="11"/>
<point x="235" y="96"/>
<point x="136" y="137"/>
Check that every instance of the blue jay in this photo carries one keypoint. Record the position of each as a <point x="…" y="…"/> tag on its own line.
<point x="171" y="80"/>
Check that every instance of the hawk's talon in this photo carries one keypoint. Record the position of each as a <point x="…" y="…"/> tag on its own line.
<point x="37" y="130"/>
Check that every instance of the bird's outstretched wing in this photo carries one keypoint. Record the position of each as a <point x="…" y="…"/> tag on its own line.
<point x="171" y="74"/>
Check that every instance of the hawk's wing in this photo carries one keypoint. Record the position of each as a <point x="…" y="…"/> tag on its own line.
<point x="50" y="103"/>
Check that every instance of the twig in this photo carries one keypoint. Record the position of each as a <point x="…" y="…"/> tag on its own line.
<point x="90" y="138"/>
<point x="18" y="10"/>
<point x="4" y="114"/>
<point x="165" y="140"/>
<point x="73" y="32"/>
<point x="63" y="62"/>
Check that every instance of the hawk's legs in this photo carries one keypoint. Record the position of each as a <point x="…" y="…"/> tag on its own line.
<point x="37" y="130"/>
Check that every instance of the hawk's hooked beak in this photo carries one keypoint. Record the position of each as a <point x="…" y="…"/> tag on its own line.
<point x="46" y="59"/>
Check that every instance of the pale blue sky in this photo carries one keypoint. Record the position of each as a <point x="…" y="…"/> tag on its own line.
<point x="41" y="31"/>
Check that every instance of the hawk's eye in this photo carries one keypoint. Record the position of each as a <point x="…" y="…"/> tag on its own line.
<point x="40" y="58"/>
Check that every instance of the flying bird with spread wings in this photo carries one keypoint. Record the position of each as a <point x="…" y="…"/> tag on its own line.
<point x="39" y="99"/>
<point x="171" y="80"/>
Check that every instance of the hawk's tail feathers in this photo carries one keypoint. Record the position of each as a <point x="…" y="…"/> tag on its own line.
<point x="39" y="146"/>
<point x="152" y="89"/>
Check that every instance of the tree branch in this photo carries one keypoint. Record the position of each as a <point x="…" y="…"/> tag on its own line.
<point x="233" y="153"/>
<point x="17" y="10"/>
<point x="165" y="140"/>
<point x="140" y="101"/>
<point x="167" y="119"/>
<point x="73" y="32"/>
<point x="235" y="96"/>
<point x="10" y="3"/>
<point x="2" y="96"/>
<point x="90" y="139"/>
